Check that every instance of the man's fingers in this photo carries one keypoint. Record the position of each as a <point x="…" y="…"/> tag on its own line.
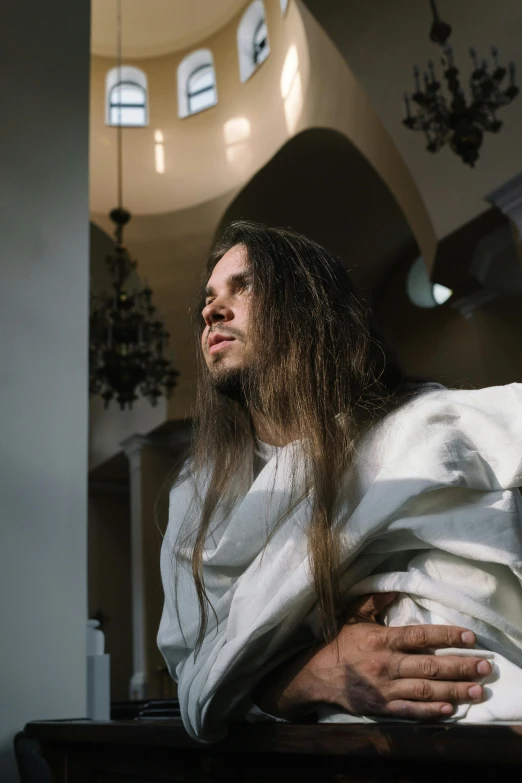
<point x="418" y="637"/>
<point x="432" y="690"/>
<point x="412" y="710"/>
<point x="437" y="667"/>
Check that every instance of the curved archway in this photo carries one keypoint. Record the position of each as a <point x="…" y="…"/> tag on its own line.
<point x="337" y="199"/>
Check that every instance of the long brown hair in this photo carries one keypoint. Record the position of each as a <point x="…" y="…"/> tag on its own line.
<point x="318" y="353"/>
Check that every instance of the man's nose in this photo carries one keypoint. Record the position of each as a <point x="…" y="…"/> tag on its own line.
<point x="216" y="312"/>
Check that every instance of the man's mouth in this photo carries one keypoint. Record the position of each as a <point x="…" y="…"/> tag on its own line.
<point x="218" y="342"/>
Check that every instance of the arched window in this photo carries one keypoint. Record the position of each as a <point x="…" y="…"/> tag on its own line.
<point x="126" y="97"/>
<point x="421" y="291"/>
<point x="201" y="89"/>
<point x="196" y="83"/>
<point x="284" y="6"/>
<point x="252" y="39"/>
<point x="261" y="49"/>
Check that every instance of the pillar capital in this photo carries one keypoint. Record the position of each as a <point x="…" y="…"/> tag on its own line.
<point x="132" y="447"/>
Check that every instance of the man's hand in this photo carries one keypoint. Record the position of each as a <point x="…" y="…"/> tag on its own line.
<point x="375" y="670"/>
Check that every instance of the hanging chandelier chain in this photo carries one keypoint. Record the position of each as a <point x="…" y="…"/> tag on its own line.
<point x="127" y="340"/>
<point x="120" y="101"/>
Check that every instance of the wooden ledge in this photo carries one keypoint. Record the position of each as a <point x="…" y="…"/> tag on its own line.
<point x="501" y="744"/>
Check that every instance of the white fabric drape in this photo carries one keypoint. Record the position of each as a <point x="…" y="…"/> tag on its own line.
<point x="431" y="510"/>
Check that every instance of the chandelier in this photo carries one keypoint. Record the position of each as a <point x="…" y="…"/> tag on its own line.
<point x="127" y="341"/>
<point x="457" y="120"/>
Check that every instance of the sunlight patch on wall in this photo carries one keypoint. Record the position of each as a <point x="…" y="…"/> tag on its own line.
<point x="292" y="89"/>
<point x="237" y="131"/>
<point x="159" y="152"/>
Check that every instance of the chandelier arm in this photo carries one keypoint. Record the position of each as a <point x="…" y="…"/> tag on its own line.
<point x="453" y="119"/>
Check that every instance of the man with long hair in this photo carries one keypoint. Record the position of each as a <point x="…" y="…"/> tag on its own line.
<point x="342" y="521"/>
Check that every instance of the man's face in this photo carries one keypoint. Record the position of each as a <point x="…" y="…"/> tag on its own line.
<point x="226" y="315"/>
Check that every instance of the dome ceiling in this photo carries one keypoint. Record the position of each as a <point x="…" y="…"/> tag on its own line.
<point x="154" y="27"/>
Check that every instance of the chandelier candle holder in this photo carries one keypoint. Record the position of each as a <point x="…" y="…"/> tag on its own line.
<point x="457" y="120"/>
<point x="127" y="341"/>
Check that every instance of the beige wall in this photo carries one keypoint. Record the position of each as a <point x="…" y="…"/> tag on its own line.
<point x="336" y="100"/>
<point x="44" y="246"/>
<point x="324" y="94"/>
<point x="482" y="350"/>
<point x="156" y="468"/>
<point x="381" y="41"/>
<point x="197" y="169"/>
<point x="110" y="562"/>
<point x="109" y="578"/>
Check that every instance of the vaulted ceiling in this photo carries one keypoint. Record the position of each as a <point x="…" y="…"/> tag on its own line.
<point x="157" y="27"/>
<point x="336" y="199"/>
<point x="381" y="41"/>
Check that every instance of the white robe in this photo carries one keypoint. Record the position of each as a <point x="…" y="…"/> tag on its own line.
<point x="431" y="511"/>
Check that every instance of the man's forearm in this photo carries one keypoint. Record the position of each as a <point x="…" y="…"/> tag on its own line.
<point x="288" y="691"/>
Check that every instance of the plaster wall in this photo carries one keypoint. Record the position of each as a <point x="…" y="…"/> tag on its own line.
<point x="481" y="350"/>
<point x="109" y="578"/>
<point x="381" y="41"/>
<point x="156" y="468"/>
<point x="43" y="353"/>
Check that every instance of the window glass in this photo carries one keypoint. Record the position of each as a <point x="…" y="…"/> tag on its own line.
<point x="252" y="39"/>
<point x="130" y="100"/>
<point x="128" y="93"/>
<point x="196" y="78"/>
<point x="202" y="79"/>
<point x="202" y="101"/>
<point x="201" y="89"/>
<point x="421" y="291"/>
<point x="261" y="49"/>
<point x="129" y="115"/>
<point x="126" y="87"/>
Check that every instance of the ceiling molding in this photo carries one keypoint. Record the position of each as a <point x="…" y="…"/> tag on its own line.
<point x="174" y="25"/>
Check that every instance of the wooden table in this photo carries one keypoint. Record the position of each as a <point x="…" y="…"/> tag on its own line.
<point x="147" y="751"/>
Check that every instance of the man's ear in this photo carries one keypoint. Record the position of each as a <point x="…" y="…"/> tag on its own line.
<point x="366" y="608"/>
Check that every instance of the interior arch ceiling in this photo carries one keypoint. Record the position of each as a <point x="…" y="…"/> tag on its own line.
<point x="381" y="41"/>
<point x="151" y="28"/>
<point x="337" y="199"/>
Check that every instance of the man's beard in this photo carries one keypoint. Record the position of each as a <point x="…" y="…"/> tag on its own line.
<point x="240" y="384"/>
<point x="235" y="383"/>
<point x="232" y="383"/>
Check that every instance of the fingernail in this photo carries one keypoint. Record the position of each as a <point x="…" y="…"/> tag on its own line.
<point x="475" y="692"/>
<point x="484" y="667"/>
<point x="447" y="709"/>
<point x="468" y="637"/>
